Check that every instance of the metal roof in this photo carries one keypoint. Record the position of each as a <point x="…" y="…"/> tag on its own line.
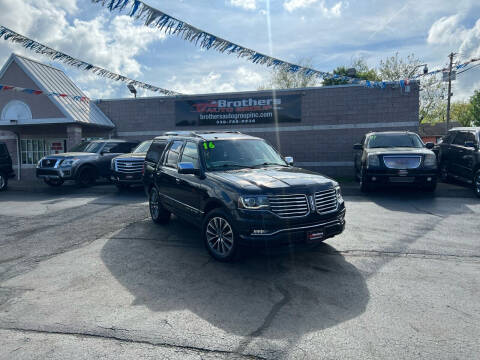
<point x="51" y="79"/>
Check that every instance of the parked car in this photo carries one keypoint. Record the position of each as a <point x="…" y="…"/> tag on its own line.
<point x="393" y="158"/>
<point x="459" y="156"/>
<point x="127" y="169"/>
<point x="6" y="170"/>
<point x="85" y="163"/>
<point x="239" y="191"/>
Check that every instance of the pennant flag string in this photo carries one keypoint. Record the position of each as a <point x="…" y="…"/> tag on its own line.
<point x="170" y="25"/>
<point x="40" y="92"/>
<point x="27" y="43"/>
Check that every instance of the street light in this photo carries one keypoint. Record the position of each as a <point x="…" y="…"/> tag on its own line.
<point x="132" y="89"/>
<point x="425" y="68"/>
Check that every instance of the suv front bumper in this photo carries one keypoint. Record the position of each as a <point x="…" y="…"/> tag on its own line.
<point x="266" y="229"/>
<point x="122" y="178"/>
<point x="419" y="177"/>
<point x="55" y="173"/>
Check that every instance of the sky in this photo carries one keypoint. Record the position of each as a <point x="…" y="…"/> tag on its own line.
<point x="327" y="33"/>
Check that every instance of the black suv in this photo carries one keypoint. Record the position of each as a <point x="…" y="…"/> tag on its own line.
<point x="85" y="163"/>
<point x="6" y="170"/>
<point x="459" y="156"/>
<point x="393" y="158"/>
<point x="240" y="191"/>
<point x="127" y="169"/>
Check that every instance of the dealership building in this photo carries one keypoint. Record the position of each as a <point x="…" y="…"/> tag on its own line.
<point x="317" y="126"/>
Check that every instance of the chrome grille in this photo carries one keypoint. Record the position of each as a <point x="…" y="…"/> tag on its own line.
<point x="326" y="201"/>
<point x="287" y="206"/>
<point x="402" y="161"/>
<point x="129" y="166"/>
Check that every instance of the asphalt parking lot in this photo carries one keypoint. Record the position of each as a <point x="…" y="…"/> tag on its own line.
<point x="85" y="274"/>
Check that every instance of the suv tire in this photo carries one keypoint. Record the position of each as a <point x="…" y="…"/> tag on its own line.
<point x="158" y="213"/>
<point x="220" y="236"/>
<point x="86" y="177"/>
<point x="476" y="183"/>
<point x="3" y="181"/>
<point x="364" y="185"/>
<point x="444" y="176"/>
<point x="53" y="182"/>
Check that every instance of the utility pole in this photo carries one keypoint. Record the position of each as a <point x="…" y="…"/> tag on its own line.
<point x="449" y="89"/>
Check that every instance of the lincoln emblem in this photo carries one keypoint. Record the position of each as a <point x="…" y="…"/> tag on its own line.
<point x="312" y="202"/>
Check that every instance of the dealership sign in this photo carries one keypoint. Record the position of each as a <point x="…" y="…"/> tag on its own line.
<point x="238" y="111"/>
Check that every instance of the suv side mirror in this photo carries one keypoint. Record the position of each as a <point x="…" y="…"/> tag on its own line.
<point x="471" y="144"/>
<point x="358" y="147"/>
<point x="289" y="160"/>
<point x="429" y="145"/>
<point x="186" y="168"/>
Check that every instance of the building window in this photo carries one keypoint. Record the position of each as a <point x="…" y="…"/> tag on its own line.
<point x="34" y="149"/>
<point x="16" y="111"/>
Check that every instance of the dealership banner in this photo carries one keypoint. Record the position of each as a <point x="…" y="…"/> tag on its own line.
<point x="238" y="111"/>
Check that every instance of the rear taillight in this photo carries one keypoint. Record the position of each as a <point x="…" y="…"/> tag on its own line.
<point x="143" y="169"/>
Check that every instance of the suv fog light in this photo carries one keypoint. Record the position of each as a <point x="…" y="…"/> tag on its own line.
<point x="258" y="232"/>
<point x="374" y="178"/>
<point x="429" y="179"/>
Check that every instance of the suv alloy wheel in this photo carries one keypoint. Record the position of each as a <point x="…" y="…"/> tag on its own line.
<point x="3" y="181"/>
<point x="86" y="177"/>
<point x="444" y="173"/>
<point x="158" y="213"/>
<point x="476" y="183"/>
<point x="220" y="236"/>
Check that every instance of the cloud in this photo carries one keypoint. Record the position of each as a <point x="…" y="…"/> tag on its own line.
<point x="112" y="43"/>
<point x="445" y="30"/>
<point x="334" y="11"/>
<point x="210" y="83"/>
<point x="245" y="4"/>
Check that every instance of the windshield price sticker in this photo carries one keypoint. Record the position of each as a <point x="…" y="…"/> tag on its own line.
<point x="210" y="145"/>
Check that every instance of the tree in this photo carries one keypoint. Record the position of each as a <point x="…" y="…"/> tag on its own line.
<point x="280" y="78"/>
<point x="433" y="92"/>
<point x="462" y="112"/>
<point x="475" y="108"/>
<point x="362" y="72"/>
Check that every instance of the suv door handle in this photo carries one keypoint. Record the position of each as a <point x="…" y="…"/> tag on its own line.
<point x="177" y="180"/>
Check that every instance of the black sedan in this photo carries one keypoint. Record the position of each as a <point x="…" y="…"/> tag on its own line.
<point x="395" y="158"/>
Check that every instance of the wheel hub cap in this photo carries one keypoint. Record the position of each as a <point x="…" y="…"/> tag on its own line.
<point x="219" y="236"/>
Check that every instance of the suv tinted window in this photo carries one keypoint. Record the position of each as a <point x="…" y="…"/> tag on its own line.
<point x="173" y="153"/>
<point x="155" y="151"/>
<point x="118" y="148"/>
<point x="460" y="138"/>
<point x="190" y="154"/>
<point x="469" y="136"/>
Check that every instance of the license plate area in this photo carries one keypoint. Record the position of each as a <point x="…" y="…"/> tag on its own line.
<point x="315" y="236"/>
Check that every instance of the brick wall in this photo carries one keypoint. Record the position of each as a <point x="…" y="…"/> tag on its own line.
<point x="333" y="119"/>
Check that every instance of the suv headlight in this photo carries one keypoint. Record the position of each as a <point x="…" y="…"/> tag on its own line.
<point x="338" y="191"/>
<point x="253" y="202"/>
<point x="430" y="161"/>
<point x="373" y="161"/>
<point x="69" y="162"/>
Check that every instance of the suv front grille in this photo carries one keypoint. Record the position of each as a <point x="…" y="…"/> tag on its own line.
<point x="129" y="166"/>
<point x="326" y="201"/>
<point x="289" y="205"/>
<point x="402" y="161"/>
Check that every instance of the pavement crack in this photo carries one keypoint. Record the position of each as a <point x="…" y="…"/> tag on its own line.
<point x="91" y="334"/>
<point x="268" y="319"/>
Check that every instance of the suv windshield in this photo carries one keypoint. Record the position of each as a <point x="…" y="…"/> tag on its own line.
<point x="394" y="140"/>
<point x="240" y="154"/>
<point x="143" y="147"/>
<point x="89" y="147"/>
